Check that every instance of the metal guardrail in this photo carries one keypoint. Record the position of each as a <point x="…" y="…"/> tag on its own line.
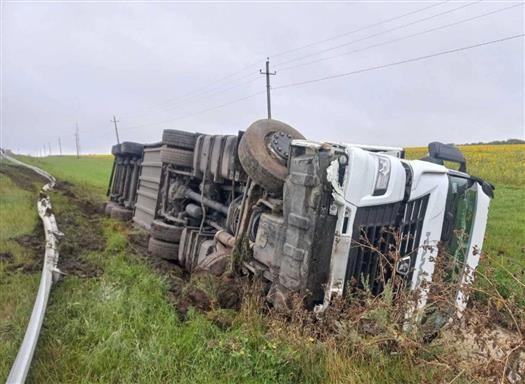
<point x="50" y="274"/>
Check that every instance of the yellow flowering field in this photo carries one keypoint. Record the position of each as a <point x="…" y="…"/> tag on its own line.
<point x="499" y="164"/>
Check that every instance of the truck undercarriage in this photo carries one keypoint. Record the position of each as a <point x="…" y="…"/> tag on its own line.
<point x="313" y="219"/>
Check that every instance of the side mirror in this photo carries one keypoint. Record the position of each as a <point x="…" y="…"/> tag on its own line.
<point x="439" y="152"/>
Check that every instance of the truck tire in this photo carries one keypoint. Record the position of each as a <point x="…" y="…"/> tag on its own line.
<point x="130" y="148"/>
<point x="121" y="213"/>
<point x="109" y="206"/>
<point x="115" y="150"/>
<point x="175" y="156"/>
<point x="179" y="139"/>
<point x="163" y="249"/>
<point x="262" y="166"/>
<point x="162" y="231"/>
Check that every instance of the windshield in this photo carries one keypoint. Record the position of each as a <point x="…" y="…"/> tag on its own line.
<point x="457" y="228"/>
<point x="455" y="244"/>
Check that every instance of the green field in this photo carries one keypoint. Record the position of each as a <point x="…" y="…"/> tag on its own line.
<point x="111" y="319"/>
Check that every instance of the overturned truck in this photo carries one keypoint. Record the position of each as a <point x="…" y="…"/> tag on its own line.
<point x="309" y="218"/>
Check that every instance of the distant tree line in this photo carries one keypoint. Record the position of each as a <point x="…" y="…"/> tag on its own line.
<point x="496" y="142"/>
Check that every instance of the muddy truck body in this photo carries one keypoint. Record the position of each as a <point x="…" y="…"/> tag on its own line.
<point x="311" y="219"/>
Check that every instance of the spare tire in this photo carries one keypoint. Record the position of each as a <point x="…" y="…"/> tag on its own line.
<point x="264" y="167"/>
<point x="163" y="249"/>
<point x="175" y="156"/>
<point x="130" y="148"/>
<point x="165" y="232"/>
<point x="179" y="139"/>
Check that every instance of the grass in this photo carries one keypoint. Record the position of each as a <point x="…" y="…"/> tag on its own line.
<point x="17" y="291"/>
<point x="89" y="172"/>
<point x="120" y="327"/>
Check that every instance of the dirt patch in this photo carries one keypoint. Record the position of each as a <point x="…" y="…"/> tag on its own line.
<point x="6" y="257"/>
<point x="65" y="188"/>
<point x="202" y="291"/>
<point x="195" y="297"/>
<point x="79" y="221"/>
<point x="182" y="292"/>
<point x="23" y="177"/>
<point x="87" y="207"/>
<point x="82" y="233"/>
<point x="229" y="293"/>
<point x="34" y="242"/>
<point x="63" y="185"/>
<point x="81" y="268"/>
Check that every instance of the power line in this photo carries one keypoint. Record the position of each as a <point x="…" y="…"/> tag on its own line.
<point x="401" y="38"/>
<point x="198" y="112"/>
<point x="359" y="29"/>
<point x="215" y="92"/>
<point x="206" y="88"/>
<point x="218" y="81"/>
<point x="380" y="33"/>
<point x="411" y="60"/>
<point x="197" y="96"/>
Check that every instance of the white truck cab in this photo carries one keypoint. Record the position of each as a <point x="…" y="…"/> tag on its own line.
<point x="424" y="203"/>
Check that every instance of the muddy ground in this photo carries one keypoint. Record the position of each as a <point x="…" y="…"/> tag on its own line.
<point x="24" y="178"/>
<point x="79" y="220"/>
<point x="203" y="291"/>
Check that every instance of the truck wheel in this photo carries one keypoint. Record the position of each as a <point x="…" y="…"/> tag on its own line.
<point x="109" y="206"/>
<point x="133" y="149"/>
<point x="263" y="152"/>
<point x="175" y="156"/>
<point x="163" y="249"/>
<point x="179" y="139"/>
<point x="161" y="231"/>
<point x="115" y="150"/>
<point x="121" y="213"/>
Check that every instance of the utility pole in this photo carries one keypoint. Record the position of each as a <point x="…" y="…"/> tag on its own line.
<point x="77" y="141"/>
<point x="115" y="121"/>
<point x="49" y="146"/>
<point x="268" y="73"/>
<point x="60" y="146"/>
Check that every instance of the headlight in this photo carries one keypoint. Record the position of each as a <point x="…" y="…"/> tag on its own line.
<point x="383" y="175"/>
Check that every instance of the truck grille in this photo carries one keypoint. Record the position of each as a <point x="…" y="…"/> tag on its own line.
<point x="377" y="232"/>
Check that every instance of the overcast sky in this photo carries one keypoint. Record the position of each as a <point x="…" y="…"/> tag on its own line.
<point x="64" y="63"/>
